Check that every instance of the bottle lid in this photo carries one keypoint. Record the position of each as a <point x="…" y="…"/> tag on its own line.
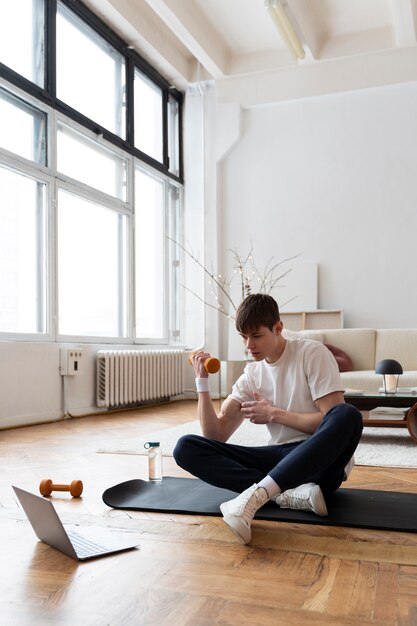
<point x="151" y="444"/>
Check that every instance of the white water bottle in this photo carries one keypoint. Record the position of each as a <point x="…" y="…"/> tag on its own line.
<point x="154" y="461"/>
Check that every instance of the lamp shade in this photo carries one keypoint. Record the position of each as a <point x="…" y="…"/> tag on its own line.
<point x="388" y="366"/>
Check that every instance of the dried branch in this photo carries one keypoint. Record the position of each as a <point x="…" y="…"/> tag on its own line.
<point x="212" y="306"/>
<point x="246" y="269"/>
<point x="206" y="271"/>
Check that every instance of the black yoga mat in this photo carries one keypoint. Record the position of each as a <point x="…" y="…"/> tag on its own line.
<point x="359" y="508"/>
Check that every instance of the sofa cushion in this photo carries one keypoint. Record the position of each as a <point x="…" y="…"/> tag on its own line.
<point x="365" y="380"/>
<point x="343" y="360"/>
<point x="314" y="335"/>
<point x="399" y="344"/>
<point x="369" y="381"/>
<point x="358" y="343"/>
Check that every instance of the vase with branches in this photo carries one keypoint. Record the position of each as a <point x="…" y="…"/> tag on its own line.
<point x="245" y="279"/>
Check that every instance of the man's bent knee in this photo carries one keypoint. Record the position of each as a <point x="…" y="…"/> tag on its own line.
<point x="183" y="448"/>
<point x="349" y="414"/>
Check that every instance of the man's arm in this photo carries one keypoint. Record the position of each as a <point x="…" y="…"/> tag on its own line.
<point x="261" y="411"/>
<point x="215" y="426"/>
<point x="219" y="426"/>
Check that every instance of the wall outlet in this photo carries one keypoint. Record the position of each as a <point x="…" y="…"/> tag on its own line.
<point x="70" y="361"/>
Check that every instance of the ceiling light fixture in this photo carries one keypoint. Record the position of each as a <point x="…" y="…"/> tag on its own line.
<point x="286" y="29"/>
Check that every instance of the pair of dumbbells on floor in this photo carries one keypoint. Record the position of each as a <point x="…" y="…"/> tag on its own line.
<point x="75" y="488"/>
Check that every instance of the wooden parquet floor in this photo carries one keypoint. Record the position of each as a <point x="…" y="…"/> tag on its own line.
<point x="189" y="570"/>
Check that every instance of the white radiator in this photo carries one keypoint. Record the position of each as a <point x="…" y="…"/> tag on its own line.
<point x="132" y="376"/>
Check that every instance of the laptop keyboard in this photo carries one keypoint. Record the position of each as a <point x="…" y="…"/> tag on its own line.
<point x="83" y="546"/>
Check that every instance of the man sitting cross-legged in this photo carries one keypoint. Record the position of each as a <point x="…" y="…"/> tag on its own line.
<point x="294" y="387"/>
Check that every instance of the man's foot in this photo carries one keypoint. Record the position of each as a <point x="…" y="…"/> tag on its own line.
<point x="239" y="512"/>
<point x="308" y="497"/>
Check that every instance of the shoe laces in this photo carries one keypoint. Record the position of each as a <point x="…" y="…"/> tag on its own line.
<point x="250" y="505"/>
<point x="297" y="496"/>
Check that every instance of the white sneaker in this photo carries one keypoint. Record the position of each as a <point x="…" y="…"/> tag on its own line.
<point x="308" y="497"/>
<point x="239" y="512"/>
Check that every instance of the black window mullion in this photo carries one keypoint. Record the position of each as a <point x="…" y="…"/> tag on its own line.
<point x="165" y="137"/>
<point x="130" y="108"/>
<point x="50" y="48"/>
<point x="180" y="138"/>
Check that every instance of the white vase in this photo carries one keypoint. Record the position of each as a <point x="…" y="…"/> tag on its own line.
<point x="229" y="373"/>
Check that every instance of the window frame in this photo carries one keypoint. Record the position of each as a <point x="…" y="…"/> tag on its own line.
<point x="133" y="59"/>
<point x="44" y="99"/>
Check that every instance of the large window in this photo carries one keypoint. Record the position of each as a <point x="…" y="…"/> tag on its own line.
<point x="22" y="253"/>
<point x="90" y="182"/>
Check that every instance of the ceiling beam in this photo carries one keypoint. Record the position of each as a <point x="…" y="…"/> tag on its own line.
<point x="363" y="71"/>
<point x="139" y="27"/>
<point x="190" y="26"/>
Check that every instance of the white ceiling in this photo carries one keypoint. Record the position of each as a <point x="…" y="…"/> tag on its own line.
<point x="348" y="44"/>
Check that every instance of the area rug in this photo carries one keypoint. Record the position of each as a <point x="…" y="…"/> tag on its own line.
<point x="383" y="447"/>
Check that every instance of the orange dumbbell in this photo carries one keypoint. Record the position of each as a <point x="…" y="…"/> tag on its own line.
<point x="47" y="487"/>
<point x="211" y="365"/>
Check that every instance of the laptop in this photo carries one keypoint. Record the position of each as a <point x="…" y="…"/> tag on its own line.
<point x="78" y="545"/>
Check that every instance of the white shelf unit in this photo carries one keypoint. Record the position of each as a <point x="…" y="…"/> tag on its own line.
<point x="313" y="320"/>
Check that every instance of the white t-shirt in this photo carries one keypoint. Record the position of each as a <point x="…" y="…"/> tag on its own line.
<point x="305" y="372"/>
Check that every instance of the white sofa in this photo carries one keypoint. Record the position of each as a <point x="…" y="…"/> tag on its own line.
<point x="366" y="347"/>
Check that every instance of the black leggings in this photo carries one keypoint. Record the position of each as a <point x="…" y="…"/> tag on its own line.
<point x="320" y="459"/>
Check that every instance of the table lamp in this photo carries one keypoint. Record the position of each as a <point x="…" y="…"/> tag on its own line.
<point x="390" y="370"/>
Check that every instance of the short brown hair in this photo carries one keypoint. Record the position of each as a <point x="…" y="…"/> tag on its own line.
<point x="258" y="309"/>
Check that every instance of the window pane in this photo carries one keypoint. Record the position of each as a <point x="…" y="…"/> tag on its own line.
<point x="22" y="38"/>
<point x="22" y="128"/>
<point x="87" y="161"/>
<point x="22" y="253"/>
<point x="91" y="268"/>
<point x="90" y="73"/>
<point x="174" y="136"/>
<point x="149" y="250"/>
<point x="148" y="117"/>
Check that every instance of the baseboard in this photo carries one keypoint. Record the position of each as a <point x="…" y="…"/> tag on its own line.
<point x="18" y="421"/>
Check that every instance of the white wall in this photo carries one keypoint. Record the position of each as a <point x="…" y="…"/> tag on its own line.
<point x="333" y="178"/>
<point x="31" y="387"/>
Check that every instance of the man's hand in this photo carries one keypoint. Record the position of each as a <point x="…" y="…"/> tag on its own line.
<point x="198" y="364"/>
<point x="259" y="411"/>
